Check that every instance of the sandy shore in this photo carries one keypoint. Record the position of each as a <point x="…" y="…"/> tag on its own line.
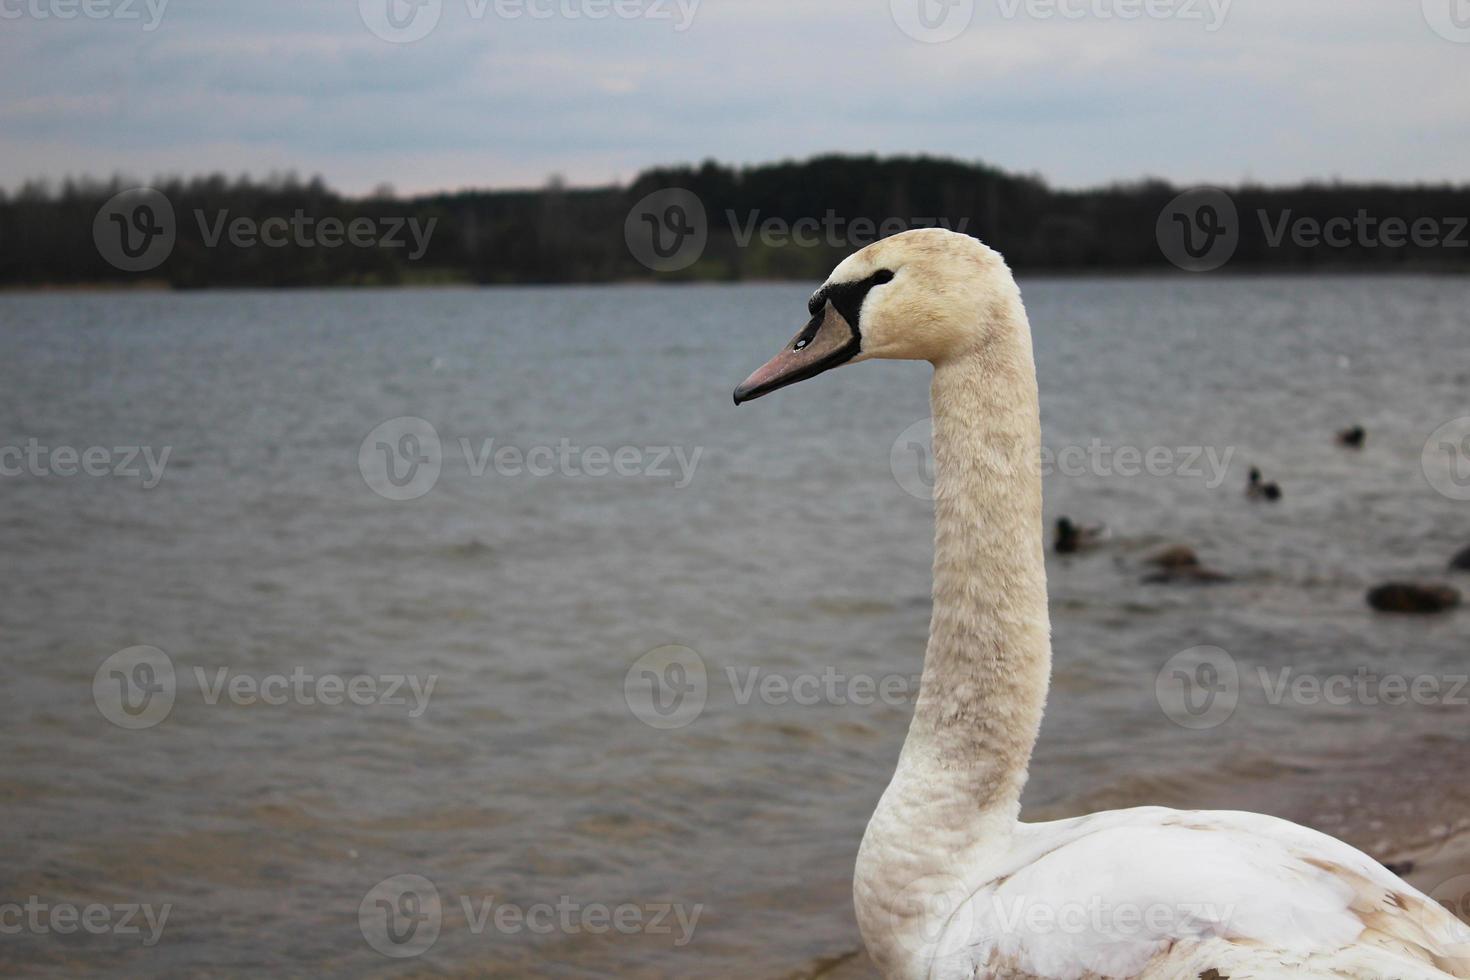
<point x="1408" y="807"/>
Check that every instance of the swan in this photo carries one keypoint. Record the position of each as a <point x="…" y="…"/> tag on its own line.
<point x="949" y="884"/>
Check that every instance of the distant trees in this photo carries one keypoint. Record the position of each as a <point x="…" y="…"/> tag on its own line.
<point x="782" y="220"/>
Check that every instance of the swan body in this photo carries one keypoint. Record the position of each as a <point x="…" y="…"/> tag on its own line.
<point x="1153" y="892"/>
<point x="949" y="883"/>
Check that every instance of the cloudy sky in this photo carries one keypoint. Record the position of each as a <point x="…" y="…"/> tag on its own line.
<point x="506" y="92"/>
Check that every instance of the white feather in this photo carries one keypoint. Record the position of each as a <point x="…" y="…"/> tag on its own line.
<point x="1153" y="892"/>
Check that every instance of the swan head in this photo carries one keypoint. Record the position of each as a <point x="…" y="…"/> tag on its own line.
<point x="925" y="295"/>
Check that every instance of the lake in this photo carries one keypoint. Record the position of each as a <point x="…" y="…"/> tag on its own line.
<point x="405" y="568"/>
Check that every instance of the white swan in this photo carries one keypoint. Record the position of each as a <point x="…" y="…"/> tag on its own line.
<point x="949" y="883"/>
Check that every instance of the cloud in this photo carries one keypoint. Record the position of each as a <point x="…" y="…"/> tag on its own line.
<point x="1278" y="92"/>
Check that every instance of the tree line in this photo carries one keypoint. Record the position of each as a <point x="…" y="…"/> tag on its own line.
<point x="789" y="220"/>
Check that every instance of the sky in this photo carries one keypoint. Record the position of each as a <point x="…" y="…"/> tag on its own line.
<point x="445" y="94"/>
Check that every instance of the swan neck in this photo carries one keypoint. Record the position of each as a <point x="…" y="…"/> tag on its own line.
<point x="951" y="812"/>
<point x="988" y="660"/>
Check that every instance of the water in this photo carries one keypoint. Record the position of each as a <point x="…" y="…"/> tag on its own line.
<point x="793" y="552"/>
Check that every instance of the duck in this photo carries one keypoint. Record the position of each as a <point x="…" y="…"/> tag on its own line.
<point x="1352" y="437"/>
<point x="1179" y="563"/>
<point x="1071" y="538"/>
<point x="1461" y="561"/>
<point x="949" y="882"/>
<point x="1257" y="489"/>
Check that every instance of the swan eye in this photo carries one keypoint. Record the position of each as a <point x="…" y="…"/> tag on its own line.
<point x="800" y="344"/>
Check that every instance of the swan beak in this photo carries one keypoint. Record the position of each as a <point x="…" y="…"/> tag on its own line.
<point x="827" y="341"/>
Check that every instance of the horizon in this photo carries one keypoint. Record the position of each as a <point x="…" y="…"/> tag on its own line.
<point x="388" y="190"/>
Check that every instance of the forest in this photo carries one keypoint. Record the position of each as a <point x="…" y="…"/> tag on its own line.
<point x="788" y="220"/>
